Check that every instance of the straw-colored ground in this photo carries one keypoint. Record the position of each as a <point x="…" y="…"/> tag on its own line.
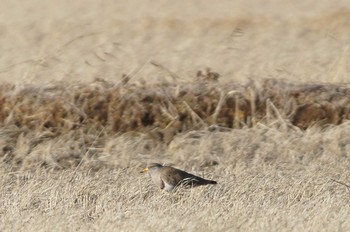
<point x="90" y="92"/>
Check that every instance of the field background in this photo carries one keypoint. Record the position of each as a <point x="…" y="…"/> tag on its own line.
<point x="272" y="175"/>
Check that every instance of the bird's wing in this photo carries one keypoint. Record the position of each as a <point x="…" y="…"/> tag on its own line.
<point x="167" y="175"/>
<point x="174" y="176"/>
<point x="189" y="179"/>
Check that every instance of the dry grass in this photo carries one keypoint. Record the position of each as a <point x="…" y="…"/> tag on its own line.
<point x="268" y="180"/>
<point x="92" y="91"/>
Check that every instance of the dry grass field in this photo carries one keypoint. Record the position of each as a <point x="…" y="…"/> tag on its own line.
<point x="92" y="91"/>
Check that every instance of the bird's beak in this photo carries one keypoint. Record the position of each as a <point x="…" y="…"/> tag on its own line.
<point x="144" y="170"/>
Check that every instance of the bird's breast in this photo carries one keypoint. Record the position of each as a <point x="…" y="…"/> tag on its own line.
<point x="168" y="187"/>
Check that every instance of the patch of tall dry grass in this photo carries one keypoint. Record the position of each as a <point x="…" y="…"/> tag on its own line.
<point x="84" y="115"/>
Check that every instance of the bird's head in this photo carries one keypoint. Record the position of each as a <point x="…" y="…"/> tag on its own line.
<point x="151" y="166"/>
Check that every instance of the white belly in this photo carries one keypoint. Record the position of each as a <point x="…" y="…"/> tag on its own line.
<point x="168" y="187"/>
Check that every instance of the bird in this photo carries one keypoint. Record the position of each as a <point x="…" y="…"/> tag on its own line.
<point x="169" y="178"/>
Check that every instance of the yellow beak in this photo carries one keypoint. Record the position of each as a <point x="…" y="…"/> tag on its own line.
<point x="144" y="170"/>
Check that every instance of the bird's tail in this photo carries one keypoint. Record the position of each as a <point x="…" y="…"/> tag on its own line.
<point x="197" y="181"/>
<point x="201" y="181"/>
<point x="211" y="182"/>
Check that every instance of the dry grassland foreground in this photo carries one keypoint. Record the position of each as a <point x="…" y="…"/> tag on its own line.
<point x="92" y="91"/>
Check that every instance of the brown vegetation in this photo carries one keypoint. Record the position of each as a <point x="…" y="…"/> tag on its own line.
<point x="37" y="115"/>
<point x="179" y="107"/>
